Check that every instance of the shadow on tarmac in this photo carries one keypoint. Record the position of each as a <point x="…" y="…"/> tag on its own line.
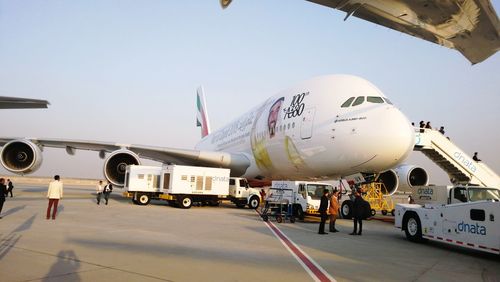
<point x="13" y="210"/>
<point x="9" y="241"/>
<point x="66" y="267"/>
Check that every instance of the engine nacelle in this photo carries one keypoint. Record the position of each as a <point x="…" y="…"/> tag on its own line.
<point x="403" y="178"/>
<point x="21" y="156"/>
<point x="116" y="163"/>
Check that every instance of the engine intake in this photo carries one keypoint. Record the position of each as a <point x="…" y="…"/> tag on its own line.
<point x="115" y="165"/>
<point x="21" y="156"/>
<point x="403" y="178"/>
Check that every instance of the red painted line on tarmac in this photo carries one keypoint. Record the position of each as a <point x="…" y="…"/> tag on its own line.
<point x="316" y="272"/>
<point x="320" y="274"/>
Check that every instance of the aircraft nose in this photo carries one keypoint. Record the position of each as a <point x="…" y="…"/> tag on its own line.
<point x="393" y="135"/>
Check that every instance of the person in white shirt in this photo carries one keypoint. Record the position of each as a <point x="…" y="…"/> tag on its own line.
<point x="54" y="194"/>
<point x="99" y="190"/>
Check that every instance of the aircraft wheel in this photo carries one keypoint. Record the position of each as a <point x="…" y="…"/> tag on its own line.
<point x="413" y="228"/>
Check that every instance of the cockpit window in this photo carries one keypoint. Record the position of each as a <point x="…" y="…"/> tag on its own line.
<point x="374" y="99"/>
<point x="388" y="101"/>
<point x="359" y="100"/>
<point x="347" y="103"/>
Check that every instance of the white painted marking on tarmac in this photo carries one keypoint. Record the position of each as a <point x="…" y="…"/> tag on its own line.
<point x="314" y="270"/>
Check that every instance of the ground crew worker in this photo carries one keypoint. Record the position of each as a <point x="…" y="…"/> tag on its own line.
<point x="98" y="191"/>
<point x="334" y="210"/>
<point x="323" y="206"/>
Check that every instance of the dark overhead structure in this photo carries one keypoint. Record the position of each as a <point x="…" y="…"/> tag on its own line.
<point x="22" y="103"/>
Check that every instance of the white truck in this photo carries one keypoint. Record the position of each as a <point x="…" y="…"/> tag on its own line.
<point x="303" y="195"/>
<point x="466" y="216"/>
<point x="184" y="185"/>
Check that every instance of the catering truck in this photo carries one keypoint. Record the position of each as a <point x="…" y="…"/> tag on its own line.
<point x="467" y="216"/>
<point x="304" y="196"/>
<point x="184" y="185"/>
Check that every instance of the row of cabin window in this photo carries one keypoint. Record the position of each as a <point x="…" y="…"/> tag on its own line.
<point x="279" y="128"/>
<point x="361" y="99"/>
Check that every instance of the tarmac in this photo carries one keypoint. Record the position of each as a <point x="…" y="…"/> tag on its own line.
<point x="125" y="242"/>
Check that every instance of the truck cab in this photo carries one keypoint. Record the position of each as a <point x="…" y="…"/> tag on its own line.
<point x="241" y="194"/>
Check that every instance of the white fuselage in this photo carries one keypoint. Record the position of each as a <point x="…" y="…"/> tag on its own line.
<point x="305" y="133"/>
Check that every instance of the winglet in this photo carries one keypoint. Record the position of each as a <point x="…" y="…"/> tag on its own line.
<point x="202" y="115"/>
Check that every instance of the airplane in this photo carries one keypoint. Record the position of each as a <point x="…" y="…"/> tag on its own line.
<point x="469" y="26"/>
<point x="22" y="103"/>
<point x="324" y="128"/>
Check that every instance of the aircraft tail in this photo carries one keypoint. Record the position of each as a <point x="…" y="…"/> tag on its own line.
<point x="202" y="115"/>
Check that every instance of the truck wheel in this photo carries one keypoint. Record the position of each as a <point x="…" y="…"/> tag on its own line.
<point x="279" y="219"/>
<point x="393" y="212"/>
<point x="299" y="212"/>
<point x="254" y="202"/>
<point x="143" y="199"/>
<point x="346" y="209"/>
<point x="384" y="212"/>
<point x="373" y="212"/>
<point x="185" y="202"/>
<point x="413" y="228"/>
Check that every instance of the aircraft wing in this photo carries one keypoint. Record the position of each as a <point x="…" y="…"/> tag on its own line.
<point x="469" y="26"/>
<point x="238" y="163"/>
<point x="21" y="103"/>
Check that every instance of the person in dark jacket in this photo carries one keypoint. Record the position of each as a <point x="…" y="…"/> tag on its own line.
<point x="357" y="213"/>
<point x="323" y="207"/>
<point x="3" y="193"/>
<point x="10" y="187"/>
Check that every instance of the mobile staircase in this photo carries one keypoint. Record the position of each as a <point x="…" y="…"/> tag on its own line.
<point x="461" y="168"/>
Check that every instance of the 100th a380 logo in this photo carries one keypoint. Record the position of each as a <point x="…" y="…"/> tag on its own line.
<point x="297" y="106"/>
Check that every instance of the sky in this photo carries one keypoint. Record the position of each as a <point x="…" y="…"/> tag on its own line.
<point x="127" y="71"/>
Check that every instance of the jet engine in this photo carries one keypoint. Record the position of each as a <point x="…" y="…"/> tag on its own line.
<point x="403" y="178"/>
<point x="21" y="156"/>
<point x="116" y="164"/>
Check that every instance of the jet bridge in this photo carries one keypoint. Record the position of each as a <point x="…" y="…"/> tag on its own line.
<point x="461" y="168"/>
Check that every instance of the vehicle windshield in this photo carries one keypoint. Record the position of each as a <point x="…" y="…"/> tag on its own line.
<point x="315" y="191"/>
<point x="481" y="194"/>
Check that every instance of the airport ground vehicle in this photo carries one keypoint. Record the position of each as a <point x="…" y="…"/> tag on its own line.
<point x="185" y="185"/>
<point x="304" y="196"/>
<point x="466" y="216"/>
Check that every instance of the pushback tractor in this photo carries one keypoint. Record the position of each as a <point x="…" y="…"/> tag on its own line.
<point x="466" y="216"/>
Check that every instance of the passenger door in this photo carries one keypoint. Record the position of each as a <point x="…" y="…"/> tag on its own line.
<point x="306" y="127"/>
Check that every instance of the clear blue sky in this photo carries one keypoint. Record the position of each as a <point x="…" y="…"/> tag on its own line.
<point x="126" y="71"/>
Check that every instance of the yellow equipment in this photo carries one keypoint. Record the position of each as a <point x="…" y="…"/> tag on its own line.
<point x="376" y="194"/>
